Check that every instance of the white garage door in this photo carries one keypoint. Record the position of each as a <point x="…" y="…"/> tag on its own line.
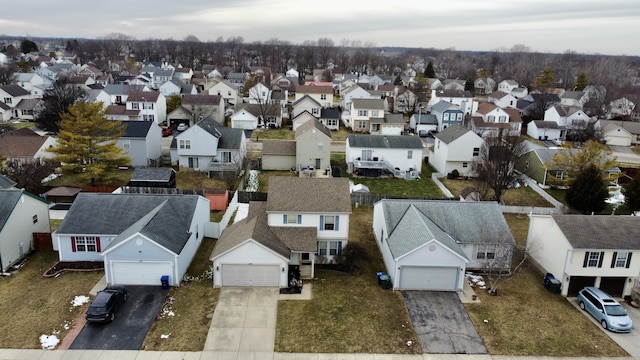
<point x="140" y="273"/>
<point x="244" y="124"/>
<point x="428" y="278"/>
<point x="250" y="275"/>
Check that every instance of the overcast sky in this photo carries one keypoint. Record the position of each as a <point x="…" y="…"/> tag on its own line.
<point x="584" y="26"/>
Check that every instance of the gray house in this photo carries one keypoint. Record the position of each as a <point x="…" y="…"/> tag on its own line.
<point x="142" y="142"/>
<point x="313" y="146"/>
<point x="140" y="238"/>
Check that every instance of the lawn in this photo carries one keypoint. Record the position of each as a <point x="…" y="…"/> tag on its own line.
<point x="193" y="305"/>
<point x="33" y="305"/>
<point x="121" y="178"/>
<point x="522" y="196"/>
<point x="348" y="313"/>
<point x="282" y="133"/>
<point x="189" y="179"/>
<point x="263" y="178"/>
<point x="527" y="320"/>
<point x="424" y="187"/>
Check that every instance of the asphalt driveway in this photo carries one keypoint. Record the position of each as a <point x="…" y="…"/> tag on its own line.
<point x="133" y="321"/>
<point x="441" y="323"/>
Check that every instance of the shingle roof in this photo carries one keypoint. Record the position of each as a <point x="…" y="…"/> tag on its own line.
<point x="600" y="231"/>
<point x="384" y="141"/>
<point x="229" y="139"/>
<point x="121" y="89"/>
<point x="200" y="99"/>
<point x="631" y="126"/>
<point x="164" y="218"/>
<point x="306" y="98"/>
<point x="541" y="124"/>
<point x="451" y="133"/>
<point x="5" y="182"/>
<point x="310" y="125"/>
<point x="426" y="119"/>
<point x="454" y="93"/>
<point x="329" y="113"/>
<point x="14" y="90"/>
<point x="152" y="174"/>
<point x="329" y="195"/>
<point x="137" y="129"/>
<point x="443" y="105"/>
<point x="147" y="96"/>
<point x="308" y="89"/>
<point x="279" y="147"/>
<point x="20" y="143"/>
<point x="120" y="110"/>
<point x="63" y="191"/>
<point x="27" y="104"/>
<point x="376" y="104"/>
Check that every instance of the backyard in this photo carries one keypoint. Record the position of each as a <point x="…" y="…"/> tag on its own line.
<point x="522" y="196"/>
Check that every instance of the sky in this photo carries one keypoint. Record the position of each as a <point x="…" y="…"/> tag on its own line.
<point x="584" y="26"/>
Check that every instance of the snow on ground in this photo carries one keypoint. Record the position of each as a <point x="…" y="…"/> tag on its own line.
<point x="49" y="342"/>
<point x="241" y="212"/>
<point x="164" y="336"/>
<point x="80" y="300"/>
<point x="476" y="280"/>
<point x="252" y="184"/>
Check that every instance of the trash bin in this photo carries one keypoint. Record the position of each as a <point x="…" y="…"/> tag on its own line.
<point x="378" y="274"/>
<point x="554" y="286"/>
<point x="385" y="281"/>
<point x="164" y="280"/>
<point x="547" y="280"/>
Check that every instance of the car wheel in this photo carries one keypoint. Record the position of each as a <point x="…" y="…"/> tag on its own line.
<point x="581" y="305"/>
<point x="113" y="316"/>
<point x="604" y="324"/>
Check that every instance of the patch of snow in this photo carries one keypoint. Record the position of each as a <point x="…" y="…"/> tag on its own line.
<point x="252" y="183"/>
<point x="164" y="336"/>
<point x="49" y="178"/>
<point x="241" y="212"/>
<point x="409" y="343"/>
<point x="49" y="342"/>
<point x="476" y="280"/>
<point x="615" y="197"/>
<point x="80" y="300"/>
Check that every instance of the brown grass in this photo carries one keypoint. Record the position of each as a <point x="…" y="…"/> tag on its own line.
<point x="189" y="179"/>
<point x="522" y="196"/>
<point x="348" y="313"/>
<point x="193" y="306"/>
<point x="33" y="305"/>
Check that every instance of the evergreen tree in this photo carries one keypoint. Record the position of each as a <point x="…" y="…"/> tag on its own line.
<point x="398" y="80"/>
<point x="588" y="191"/>
<point x="27" y="46"/>
<point x="546" y="79"/>
<point x="632" y="194"/>
<point x="470" y="85"/>
<point x="87" y="143"/>
<point x="173" y="102"/>
<point x="581" y="82"/>
<point x="429" y="72"/>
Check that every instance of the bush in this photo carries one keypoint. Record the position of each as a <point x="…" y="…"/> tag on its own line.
<point x="455" y="173"/>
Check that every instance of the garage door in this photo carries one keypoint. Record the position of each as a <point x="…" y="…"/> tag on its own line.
<point x="250" y="275"/>
<point x="244" y="124"/>
<point x="614" y="286"/>
<point x="576" y="283"/>
<point x="140" y="273"/>
<point x="428" y="278"/>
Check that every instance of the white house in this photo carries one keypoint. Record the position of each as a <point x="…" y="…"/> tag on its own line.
<point x="303" y="221"/>
<point x="151" y="104"/>
<point x="139" y="237"/>
<point x="587" y="250"/>
<point x="632" y="127"/>
<point x="455" y="148"/>
<point x="308" y="104"/>
<point x="322" y="94"/>
<point x="489" y="120"/>
<point x="253" y="116"/>
<point x="464" y="99"/>
<point x="506" y="86"/>
<point x="428" y="245"/>
<point x="614" y="134"/>
<point x="362" y="111"/>
<point x="142" y="142"/>
<point x="546" y="130"/>
<point x="12" y="94"/>
<point x="569" y="117"/>
<point x="379" y="155"/>
<point x="21" y="215"/>
<point x="354" y="92"/>
<point x="229" y="92"/>
<point x="503" y="100"/>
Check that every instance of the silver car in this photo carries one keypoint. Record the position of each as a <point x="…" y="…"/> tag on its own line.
<point x="605" y="309"/>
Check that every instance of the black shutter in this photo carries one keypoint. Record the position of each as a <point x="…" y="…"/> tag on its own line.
<point x="613" y="259"/>
<point x="586" y="259"/>
<point x="600" y="260"/>
<point x="628" y="260"/>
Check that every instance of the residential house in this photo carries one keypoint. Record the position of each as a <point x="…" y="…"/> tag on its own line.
<point x="435" y="84"/>
<point x="183" y="74"/>
<point x="313" y="147"/>
<point x="384" y="155"/>
<point x="453" y="85"/>
<point x="292" y="73"/>
<point x="616" y="135"/>
<point x="25" y="145"/>
<point x="587" y="250"/>
<point x="142" y="142"/>
<point x="379" y="79"/>
<point x="354" y="92"/>
<point x="278" y="155"/>
<point x="237" y="79"/>
<point x="490" y="120"/>
<point x="159" y="76"/>
<point x="82" y="82"/>
<point x="5" y="112"/>
<point x="303" y="222"/>
<point x="447" y="114"/>
<point x="503" y="100"/>
<point x="405" y="100"/>
<point x="301" y="119"/>
<point x="203" y="105"/>
<point x="12" y="94"/>
<point x="390" y="124"/>
<point x="209" y="146"/>
<point x="330" y="117"/>
<point x="140" y="238"/>
<point x="151" y="104"/>
<point x="322" y="94"/>
<point x="228" y="91"/>
<point x="32" y="82"/>
<point x="283" y="83"/>
<point x="574" y="98"/>
<point x="21" y="215"/>
<point x="26" y="109"/>
<point x="621" y="107"/>
<point x="362" y="111"/>
<point x="428" y="245"/>
<point x="308" y="104"/>
<point x="117" y="94"/>
<point x="546" y="130"/>
<point x="612" y="134"/>
<point x="177" y="87"/>
<point x="569" y="117"/>
<point x="254" y="116"/>
<point x="464" y="99"/>
<point x="423" y="122"/>
<point x="455" y="148"/>
<point x="484" y="85"/>
<point x="260" y="93"/>
<point x="506" y="86"/>
<point x="520" y="92"/>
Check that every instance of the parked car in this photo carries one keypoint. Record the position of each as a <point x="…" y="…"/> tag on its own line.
<point x="423" y="133"/>
<point x="605" y="309"/>
<point x="104" y="306"/>
<point x="182" y="127"/>
<point x="167" y="130"/>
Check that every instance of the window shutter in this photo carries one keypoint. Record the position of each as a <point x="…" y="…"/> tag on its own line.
<point x="600" y="260"/>
<point x="284" y="218"/>
<point x="299" y="219"/>
<point x="628" y="260"/>
<point x="98" y="249"/>
<point x="339" y="247"/>
<point x="73" y="243"/>
<point x="586" y="259"/>
<point x="337" y="223"/>
<point x="613" y="259"/>
<point x="321" y="222"/>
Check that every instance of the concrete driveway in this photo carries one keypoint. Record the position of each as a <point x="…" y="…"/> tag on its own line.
<point x="131" y="325"/>
<point x="630" y="342"/>
<point x="625" y="155"/>
<point x="441" y="323"/>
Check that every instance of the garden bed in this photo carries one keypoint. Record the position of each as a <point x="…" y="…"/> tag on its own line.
<point x="82" y="266"/>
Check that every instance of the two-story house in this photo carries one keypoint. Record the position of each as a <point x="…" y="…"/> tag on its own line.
<point x="464" y="99"/>
<point x="308" y="104"/>
<point x="142" y="142"/>
<point x="228" y="91"/>
<point x="151" y="104"/>
<point x="455" y="148"/>
<point x="354" y="92"/>
<point x="572" y="118"/>
<point x="303" y="222"/>
<point x="322" y="94"/>
<point x="12" y="94"/>
<point x="506" y="86"/>
<point x="491" y="120"/>
<point x="503" y="100"/>
<point x="362" y="111"/>
<point x="447" y="114"/>
<point x="382" y="155"/>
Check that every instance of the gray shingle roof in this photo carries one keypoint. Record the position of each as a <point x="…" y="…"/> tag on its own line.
<point x="152" y="174"/>
<point x="5" y="182"/>
<point x="451" y="133"/>
<point x="600" y="231"/>
<point x="375" y="104"/>
<point x="329" y="113"/>
<point x="14" y="90"/>
<point x="279" y="147"/>
<point x="121" y="89"/>
<point x="330" y="195"/>
<point x="164" y="218"/>
<point x="384" y="141"/>
<point x="442" y="105"/>
<point x="230" y="139"/>
<point x="310" y="125"/>
<point x="137" y="129"/>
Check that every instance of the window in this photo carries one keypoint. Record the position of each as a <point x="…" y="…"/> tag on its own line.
<point x="410" y="154"/>
<point x="314" y="111"/>
<point x="147" y="106"/>
<point x="225" y="156"/>
<point x="476" y="151"/>
<point x="147" y="117"/>
<point x="502" y="119"/>
<point x="185" y="144"/>
<point x="363" y="113"/>
<point x="7" y="100"/>
<point x="228" y="93"/>
<point x="119" y="99"/>
<point x="291" y="219"/>
<point x="593" y="259"/>
<point x="487" y="252"/>
<point x="193" y="163"/>
<point x="362" y="124"/>
<point x="367" y="155"/>
<point x="126" y="144"/>
<point x="329" y="222"/>
<point x="323" y="96"/>
<point x="135" y="106"/>
<point x="445" y="116"/>
<point x="304" y="257"/>
<point x="464" y="164"/>
<point x="459" y="116"/>
<point x="374" y="113"/>
<point x="35" y="218"/>
<point x="621" y="259"/>
<point x="320" y="146"/>
<point x="329" y="248"/>
<point x="85" y="243"/>
<point x="491" y="118"/>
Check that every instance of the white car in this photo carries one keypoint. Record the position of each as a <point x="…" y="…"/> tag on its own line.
<point x="182" y="127"/>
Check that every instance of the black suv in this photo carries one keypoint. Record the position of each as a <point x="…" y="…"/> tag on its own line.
<point x="106" y="303"/>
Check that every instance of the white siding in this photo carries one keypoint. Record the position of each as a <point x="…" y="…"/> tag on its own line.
<point x="258" y="254"/>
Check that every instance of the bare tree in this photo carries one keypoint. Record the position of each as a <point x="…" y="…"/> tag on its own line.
<point x="504" y="263"/>
<point x="496" y="161"/>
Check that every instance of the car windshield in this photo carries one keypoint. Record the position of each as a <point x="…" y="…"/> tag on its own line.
<point x="615" y="310"/>
<point x="97" y="309"/>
